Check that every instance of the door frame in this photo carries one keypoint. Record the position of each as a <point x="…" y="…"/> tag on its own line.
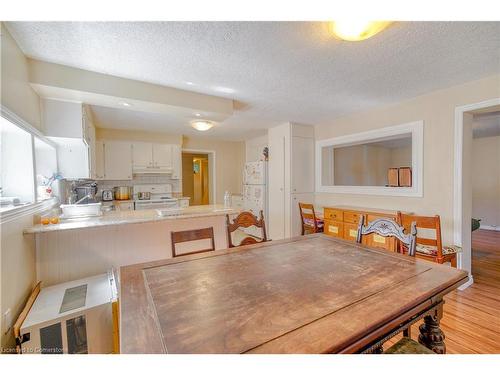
<point x="212" y="199"/>
<point x="458" y="235"/>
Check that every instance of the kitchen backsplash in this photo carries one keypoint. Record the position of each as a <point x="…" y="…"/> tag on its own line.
<point x="141" y="180"/>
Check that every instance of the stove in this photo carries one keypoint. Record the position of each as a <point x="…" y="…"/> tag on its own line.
<point x="160" y="197"/>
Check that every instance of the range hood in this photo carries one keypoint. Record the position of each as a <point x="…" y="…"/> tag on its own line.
<point x="152" y="170"/>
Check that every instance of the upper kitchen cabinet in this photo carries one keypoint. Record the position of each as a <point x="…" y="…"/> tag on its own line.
<point x="176" y="162"/>
<point x="117" y="160"/>
<point x="67" y="125"/>
<point x="162" y="156"/>
<point x="155" y="158"/>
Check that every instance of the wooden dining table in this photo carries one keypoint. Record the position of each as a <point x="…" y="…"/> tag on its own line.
<point x="310" y="294"/>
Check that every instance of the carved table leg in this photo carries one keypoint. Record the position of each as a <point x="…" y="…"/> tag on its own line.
<point x="430" y="334"/>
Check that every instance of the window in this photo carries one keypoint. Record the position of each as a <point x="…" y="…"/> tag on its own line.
<point x="16" y="150"/>
<point x="385" y="161"/>
<point x="28" y="163"/>
<point x="45" y="168"/>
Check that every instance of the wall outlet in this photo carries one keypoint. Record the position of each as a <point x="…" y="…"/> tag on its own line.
<point x="7" y="321"/>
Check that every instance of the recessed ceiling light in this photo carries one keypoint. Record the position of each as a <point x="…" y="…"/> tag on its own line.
<point x="189" y="83"/>
<point x="197" y="114"/>
<point x="125" y="104"/>
<point x="202" y="125"/>
<point x="356" y="30"/>
<point x="226" y="90"/>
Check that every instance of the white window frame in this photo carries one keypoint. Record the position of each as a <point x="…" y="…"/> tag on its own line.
<point x="416" y="129"/>
<point x="36" y="205"/>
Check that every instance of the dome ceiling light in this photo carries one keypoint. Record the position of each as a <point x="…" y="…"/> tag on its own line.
<point x="356" y="30"/>
<point x="202" y="125"/>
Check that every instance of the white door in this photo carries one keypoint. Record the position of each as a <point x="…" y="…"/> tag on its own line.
<point x="99" y="160"/>
<point x="302" y="165"/>
<point x="142" y="155"/>
<point x="295" y="211"/>
<point x="276" y="208"/>
<point x="176" y="162"/>
<point x="118" y="161"/>
<point x="162" y="155"/>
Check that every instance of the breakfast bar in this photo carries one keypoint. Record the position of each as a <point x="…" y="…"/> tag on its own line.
<point x="89" y="246"/>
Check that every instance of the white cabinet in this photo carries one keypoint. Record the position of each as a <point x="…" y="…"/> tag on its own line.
<point x="157" y="158"/>
<point x="65" y="124"/>
<point x="183" y="202"/>
<point x="117" y="160"/>
<point x="162" y="156"/>
<point x="142" y="155"/>
<point x="291" y="171"/>
<point x="124" y="206"/>
<point x="99" y="160"/>
<point x="302" y="167"/>
<point x="176" y="162"/>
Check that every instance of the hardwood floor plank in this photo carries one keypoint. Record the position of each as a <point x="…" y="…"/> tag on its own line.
<point x="471" y="319"/>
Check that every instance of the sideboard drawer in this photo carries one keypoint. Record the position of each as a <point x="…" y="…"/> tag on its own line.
<point x="334" y="228"/>
<point x="350" y="232"/>
<point x="352" y="217"/>
<point x="332" y="214"/>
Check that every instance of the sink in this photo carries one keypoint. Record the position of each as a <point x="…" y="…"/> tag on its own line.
<point x="71" y="211"/>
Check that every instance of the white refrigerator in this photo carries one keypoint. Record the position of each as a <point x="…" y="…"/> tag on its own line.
<point x="255" y="191"/>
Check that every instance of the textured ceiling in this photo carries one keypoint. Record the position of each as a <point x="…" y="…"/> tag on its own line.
<point x="276" y="71"/>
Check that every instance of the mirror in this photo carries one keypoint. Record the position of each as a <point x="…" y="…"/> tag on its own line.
<point x="387" y="161"/>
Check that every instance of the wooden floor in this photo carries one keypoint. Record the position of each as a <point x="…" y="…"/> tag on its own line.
<point x="471" y="320"/>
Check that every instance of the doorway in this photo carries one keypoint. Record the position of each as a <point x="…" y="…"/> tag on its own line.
<point x="467" y="166"/>
<point x="197" y="177"/>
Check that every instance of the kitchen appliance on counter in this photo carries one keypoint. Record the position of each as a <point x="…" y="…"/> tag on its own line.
<point x="73" y="317"/>
<point x="123" y="193"/>
<point x="82" y="191"/>
<point x="160" y="196"/>
<point x="107" y="195"/>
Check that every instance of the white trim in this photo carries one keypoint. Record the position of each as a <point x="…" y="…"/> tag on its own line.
<point x="29" y="209"/>
<point x="416" y="129"/>
<point x="457" y="177"/>
<point x="489" y="227"/>
<point x="467" y="284"/>
<point x="212" y="175"/>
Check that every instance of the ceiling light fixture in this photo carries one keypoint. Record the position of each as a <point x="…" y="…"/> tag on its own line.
<point x="189" y="83"/>
<point x="202" y="125"/>
<point x="356" y="30"/>
<point x="197" y="114"/>
<point x="125" y="104"/>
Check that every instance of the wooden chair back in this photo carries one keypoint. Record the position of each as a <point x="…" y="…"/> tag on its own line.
<point x="24" y="314"/>
<point x="192" y="235"/>
<point x="389" y="228"/>
<point x="244" y="220"/>
<point x="308" y="218"/>
<point x="424" y="222"/>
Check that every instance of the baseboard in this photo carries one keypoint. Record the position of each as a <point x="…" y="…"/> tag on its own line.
<point x="467" y="284"/>
<point x="489" y="227"/>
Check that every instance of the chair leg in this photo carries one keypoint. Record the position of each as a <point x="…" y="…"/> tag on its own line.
<point x="454" y="261"/>
<point x="407" y="332"/>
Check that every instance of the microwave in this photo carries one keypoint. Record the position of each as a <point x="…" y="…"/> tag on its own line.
<point x="76" y="317"/>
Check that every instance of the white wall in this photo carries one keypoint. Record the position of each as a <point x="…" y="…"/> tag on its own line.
<point x="17" y="252"/>
<point x="254" y="148"/>
<point x="437" y="110"/>
<point x="486" y="181"/>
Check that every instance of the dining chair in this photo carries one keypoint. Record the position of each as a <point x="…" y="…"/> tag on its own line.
<point x="426" y="247"/>
<point x="244" y="220"/>
<point x="191" y="236"/>
<point x="310" y="222"/>
<point x="389" y="228"/>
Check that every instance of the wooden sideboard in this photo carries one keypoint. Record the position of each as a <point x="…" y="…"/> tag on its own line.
<point x="343" y="221"/>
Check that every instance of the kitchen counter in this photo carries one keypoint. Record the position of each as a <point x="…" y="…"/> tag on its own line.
<point x="133" y="217"/>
